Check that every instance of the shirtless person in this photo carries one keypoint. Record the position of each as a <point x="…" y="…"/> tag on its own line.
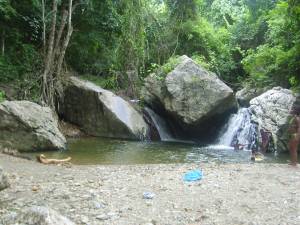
<point x="294" y="131"/>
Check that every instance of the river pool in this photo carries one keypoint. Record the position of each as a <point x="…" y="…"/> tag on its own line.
<point x="93" y="151"/>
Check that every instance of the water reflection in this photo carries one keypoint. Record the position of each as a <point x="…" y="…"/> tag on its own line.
<point x="112" y="151"/>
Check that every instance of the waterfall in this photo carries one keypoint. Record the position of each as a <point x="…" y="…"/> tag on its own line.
<point x="161" y="125"/>
<point x="239" y="132"/>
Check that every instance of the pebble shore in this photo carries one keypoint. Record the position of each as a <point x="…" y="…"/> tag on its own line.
<point x="249" y="194"/>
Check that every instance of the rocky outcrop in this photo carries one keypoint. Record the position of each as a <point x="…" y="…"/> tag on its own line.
<point x="189" y="94"/>
<point x="245" y="95"/>
<point x="99" y="112"/>
<point x="271" y="111"/>
<point x="27" y="126"/>
<point x="36" y="215"/>
<point x="3" y="180"/>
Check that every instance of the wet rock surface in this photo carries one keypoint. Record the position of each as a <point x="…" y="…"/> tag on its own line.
<point x="99" y="112"/>
<point x="227" y="194"/>
<point x="27" y="126"/>
<point x="271" y="111"/>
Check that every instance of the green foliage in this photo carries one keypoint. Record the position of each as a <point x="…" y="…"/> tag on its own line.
<point x="183" y="10"/>
<point x="2" y="96"/>
<point x="109" y="82"/>
<point x="93" y="49"/>
<point x="240" y="40"/>
<point x="278" y="61"/>
<point x="199" y="59"/>
<point x="263" y="63"/>
<point x="201" y="40"/>
<point x="161" y="72"/>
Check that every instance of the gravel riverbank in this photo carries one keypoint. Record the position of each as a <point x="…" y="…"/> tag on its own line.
<point x="227" y="194"/>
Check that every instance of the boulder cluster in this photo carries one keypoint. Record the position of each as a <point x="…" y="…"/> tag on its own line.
<point x="193" y="102"/>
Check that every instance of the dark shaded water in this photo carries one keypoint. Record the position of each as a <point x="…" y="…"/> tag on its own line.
<point x="112" y="151"/>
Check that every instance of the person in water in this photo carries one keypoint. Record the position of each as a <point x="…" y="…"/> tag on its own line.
<point x="294" y="130"/>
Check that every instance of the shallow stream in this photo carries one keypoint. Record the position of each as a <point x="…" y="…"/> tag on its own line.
<point x="91" y="151"/>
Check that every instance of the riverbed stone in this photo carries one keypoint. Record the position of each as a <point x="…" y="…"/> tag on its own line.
<point x="27" y="126"/>
<point x="3" y="180"/>
<point x="100" y="112"/>
<point x="189" y="94"/>
<point x="271" y="111"/>
<point x="37" y="215"/>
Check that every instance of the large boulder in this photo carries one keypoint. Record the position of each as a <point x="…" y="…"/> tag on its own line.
<point x="245" y="95"/>
<point x="27" y="126"/>
<point x="3" y="180"/>
<point x="271" y="111"/>
<point x="189" y="94"/>
<point x="36" y="215"/>
<point x="99" y="112"/>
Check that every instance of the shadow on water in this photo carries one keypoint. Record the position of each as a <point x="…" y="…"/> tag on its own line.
<point x="91" y="151"/>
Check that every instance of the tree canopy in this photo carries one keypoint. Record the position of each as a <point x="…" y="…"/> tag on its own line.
<point x="118" y="43"/>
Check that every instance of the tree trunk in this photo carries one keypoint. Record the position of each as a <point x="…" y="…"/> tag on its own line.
<point x="3" y="43"/>
<point x="44" y="27"/>
<point x="60" y="32"/>
<point x="58" y="41"/>
<point x="47" y="84"/>
<point x="66" y="40"/>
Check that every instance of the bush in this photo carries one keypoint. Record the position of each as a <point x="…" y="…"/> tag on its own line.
<point x="161" y="72"/>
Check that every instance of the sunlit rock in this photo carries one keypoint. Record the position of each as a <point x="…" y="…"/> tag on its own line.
<point x="27" y="126"/>
<point x="271" y="111"/>
<point x="99" y="112"/>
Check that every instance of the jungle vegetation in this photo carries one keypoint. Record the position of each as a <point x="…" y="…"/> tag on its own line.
<point x="117" y="43"/>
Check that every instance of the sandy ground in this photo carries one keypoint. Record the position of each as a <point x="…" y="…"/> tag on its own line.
<point x="227" y="194"/>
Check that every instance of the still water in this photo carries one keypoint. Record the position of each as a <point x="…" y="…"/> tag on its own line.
<point x="92" y="151"/>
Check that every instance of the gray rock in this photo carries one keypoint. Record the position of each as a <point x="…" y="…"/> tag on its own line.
<point x="27" y="126"/>
<point x="271" y="111"/>
<point x="99" y="112"/>
<point x="245" y="95"/>
<point x="3" y="180"/>
<point x="37" y="216"/>
<point x="103" y="217"/>
<point x="189" y="93"/>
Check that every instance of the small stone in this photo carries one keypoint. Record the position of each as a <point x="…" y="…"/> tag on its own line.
<point x="98" y="205"/>
<point x="84" y="219"/>
<point x="3" y="180"/>
<point x="103" y="217"/>
<point x="35" y="188"/>
<point x="149" y="203"/>
<point x="148" y="195"/>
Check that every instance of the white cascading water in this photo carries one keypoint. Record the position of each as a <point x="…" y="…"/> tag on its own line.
<point x="161" y="125"/>
<point x="239" y="132"/>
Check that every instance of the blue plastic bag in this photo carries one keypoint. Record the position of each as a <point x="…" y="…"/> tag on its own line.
<point x="193" y="175"/>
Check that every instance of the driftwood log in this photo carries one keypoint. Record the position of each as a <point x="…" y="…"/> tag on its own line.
<point x="42" y="159"/>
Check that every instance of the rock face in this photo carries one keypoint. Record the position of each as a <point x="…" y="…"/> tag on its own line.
<point x="3" y="180"/>
<point x="189" y="94"/>
<point x="99" y="112"/>
<point x="245" y="95"/>
<point x="27" y="126"/>
<point x="37" y="216"/>
<point x="271" y="111"/>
